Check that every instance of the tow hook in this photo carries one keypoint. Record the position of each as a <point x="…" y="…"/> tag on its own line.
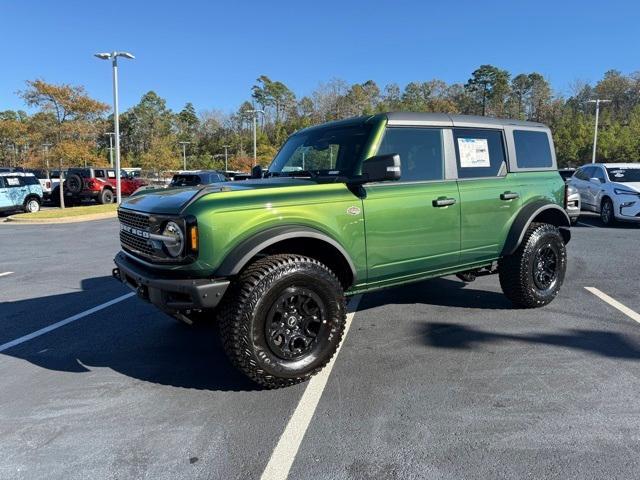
<point x="116" y="274"/>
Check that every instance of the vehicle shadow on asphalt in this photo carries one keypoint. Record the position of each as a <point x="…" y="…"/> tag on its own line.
<point x="603" y="343"/>
<point x="134" y="339"/>
<point x="438" y="291"/>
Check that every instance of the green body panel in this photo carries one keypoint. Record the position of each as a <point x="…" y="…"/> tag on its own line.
<point x="394" y="234"/>
<point x="406" y="234"/>
<point x="226" y="219"/>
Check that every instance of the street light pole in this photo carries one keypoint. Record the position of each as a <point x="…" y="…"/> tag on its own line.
<point x="46" y="146"/>
<point x="113" y="56"/>
<point x="226" y="162"/>
<point x="597" y="101"/>
<point x="184" y="154"/>
<point x="110" y="148"/>
<point x="255" y="127"/>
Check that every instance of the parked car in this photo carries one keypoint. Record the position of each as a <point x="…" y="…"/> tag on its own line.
<point x="566" y="173"/>
<point x="47" y="182"/>
<point x="197" y="177"/>
<point x="572" y="203"/>
<point x="20" y="191"/>
<point x="95" y="183"/>
<point x="274" y="257"/>
<point x="610" y="189"/>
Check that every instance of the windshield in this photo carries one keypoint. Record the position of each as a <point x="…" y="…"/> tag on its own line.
<point x="185" y="180"/>
<point x="323" y="151"/>
<point x="624" y="174"/>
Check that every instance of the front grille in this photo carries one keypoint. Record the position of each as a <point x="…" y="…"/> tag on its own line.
<point x="133" y="219"/>
<point x="135" y="243"/>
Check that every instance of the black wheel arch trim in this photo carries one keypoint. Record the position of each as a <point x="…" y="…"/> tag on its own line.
<point x="249" y="248"/>
<point x="526" y="216"/>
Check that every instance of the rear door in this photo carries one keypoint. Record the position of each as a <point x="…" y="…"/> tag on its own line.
<point x="413" y="225"/>
<point x="489" y="197"/>
<point x="581" y="181"/>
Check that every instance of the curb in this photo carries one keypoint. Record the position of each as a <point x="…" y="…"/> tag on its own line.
<point x="48" y="221"/>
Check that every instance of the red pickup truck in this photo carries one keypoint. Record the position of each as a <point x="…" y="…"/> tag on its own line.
<point x="97" y="183"/>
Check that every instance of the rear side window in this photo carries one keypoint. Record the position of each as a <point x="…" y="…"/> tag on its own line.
<point x="420" y="151"/>
<point x="111" y="174"/>
<point x="99" y="173"/>
<point x="479" y="153"/>
<point x="532" y="149"/>
<point x="29" y="180"/>
<point x="12" y="181"/>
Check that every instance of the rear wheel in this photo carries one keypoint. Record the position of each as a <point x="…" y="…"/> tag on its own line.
<point x="606" y="212"/>
<point x="105" y="196"/>
<point x="532" y="276"/>
<point x="283" y="320"/>
<point x="32" y="205"/>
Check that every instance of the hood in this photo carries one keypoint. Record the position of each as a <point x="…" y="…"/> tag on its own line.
<point x="634" y="186"/>
<point x="171" y="201"/>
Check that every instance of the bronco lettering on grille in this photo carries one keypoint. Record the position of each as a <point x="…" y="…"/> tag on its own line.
<point x="134" y="231"/>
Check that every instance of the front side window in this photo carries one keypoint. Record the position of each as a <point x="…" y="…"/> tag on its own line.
<point x="599" y="174"/>
<point x="420" y="151"/>
<point x="479" y="153"/>
<point x="331" y="150"/>
<point x="532" y="149"/>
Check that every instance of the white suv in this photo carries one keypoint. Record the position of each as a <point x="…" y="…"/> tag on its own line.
<point x="610" y="189"/>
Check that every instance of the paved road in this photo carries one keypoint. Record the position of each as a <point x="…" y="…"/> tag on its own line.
<point x="437" y="380"/>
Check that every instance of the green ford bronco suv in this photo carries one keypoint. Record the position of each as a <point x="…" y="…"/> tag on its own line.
<point x="345" y="208"/>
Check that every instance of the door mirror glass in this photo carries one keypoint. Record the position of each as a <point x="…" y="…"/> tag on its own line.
<point x="381" y="168"/>
<point x="256" y="172"/>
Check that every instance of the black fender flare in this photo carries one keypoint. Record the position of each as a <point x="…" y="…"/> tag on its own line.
<point x="554" y="214"/>
<point x="247" y="249"/>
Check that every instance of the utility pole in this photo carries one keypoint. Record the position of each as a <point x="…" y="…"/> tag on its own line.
<point x="113" y="56"/>
<point x="226" y="160"/>
<point x="184" y="154"/>
<point x="255" y="127"/>
<point x="597" y="101"/>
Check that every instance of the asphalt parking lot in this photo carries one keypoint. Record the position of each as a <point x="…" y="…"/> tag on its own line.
<point x="437" y="380"/>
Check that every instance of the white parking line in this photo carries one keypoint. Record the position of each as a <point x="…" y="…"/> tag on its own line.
<point x="4" y="274"/>
<point x="287" y="448"/>
<point x="615" y="304"/>
<point x="64" y="322"/>
<point x="584" y="224"/>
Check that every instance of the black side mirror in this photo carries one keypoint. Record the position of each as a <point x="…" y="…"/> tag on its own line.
<point x="381" y="168"/>
<point x="256" y="172"/>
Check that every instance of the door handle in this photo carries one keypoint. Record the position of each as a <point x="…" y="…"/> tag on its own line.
<point x="509" y="196"/>
<point x="443" y="202"/>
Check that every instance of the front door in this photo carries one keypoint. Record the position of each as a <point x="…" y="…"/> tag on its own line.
<point x="490" y="198"/>
<point x="413" y="225"/>
<point x="5" y="201"/>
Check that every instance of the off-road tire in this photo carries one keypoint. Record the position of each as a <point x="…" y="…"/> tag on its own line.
<point x="31" y="205"/>
<point x="245" y="310"/>
<point x="607" y="215"/>
<point x="105" y="196"/>
<point x="516" y="271"/>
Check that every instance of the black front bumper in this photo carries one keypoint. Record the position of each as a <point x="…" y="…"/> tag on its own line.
<point x="168" y="293"/>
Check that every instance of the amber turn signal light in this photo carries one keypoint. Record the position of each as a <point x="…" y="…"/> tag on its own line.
<point x="193" y="238"/>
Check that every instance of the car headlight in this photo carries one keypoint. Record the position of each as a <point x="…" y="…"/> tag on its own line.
<point x="622" y="191"/>
<point x="174" y="239"/>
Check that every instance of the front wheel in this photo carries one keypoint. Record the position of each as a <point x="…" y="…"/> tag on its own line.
<point x="606" y="212"/>
<point x="283" y="320"/>
<point x="532" y="276"/>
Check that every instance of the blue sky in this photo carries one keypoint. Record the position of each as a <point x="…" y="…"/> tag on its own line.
<point x="210" y="53"/>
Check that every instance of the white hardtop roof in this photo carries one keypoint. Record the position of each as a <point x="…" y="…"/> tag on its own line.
<point x="17" y="174"/>
<point x="618" y="165"/>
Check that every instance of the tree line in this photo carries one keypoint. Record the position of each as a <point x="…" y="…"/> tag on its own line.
<point x="69" y="128"/>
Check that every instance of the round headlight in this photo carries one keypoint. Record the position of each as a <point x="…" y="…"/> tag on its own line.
<point x="176" y="244"/>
